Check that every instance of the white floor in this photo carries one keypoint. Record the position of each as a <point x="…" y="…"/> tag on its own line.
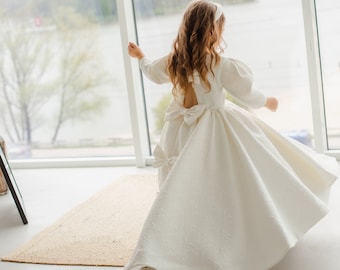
<point x="50" y="193"/>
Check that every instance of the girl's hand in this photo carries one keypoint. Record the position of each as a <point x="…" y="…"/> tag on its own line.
<point x="272" y="104"/>
<point x="135" y="51"/>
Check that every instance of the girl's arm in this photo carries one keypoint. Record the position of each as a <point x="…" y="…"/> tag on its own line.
<point x="237" y="79"/>
<point x="154" y="70"/>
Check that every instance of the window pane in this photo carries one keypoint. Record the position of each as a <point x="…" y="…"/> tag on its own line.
<point x="328" y="22"/>
<point x="63" y="90"/>
<point x="267" y="35"/>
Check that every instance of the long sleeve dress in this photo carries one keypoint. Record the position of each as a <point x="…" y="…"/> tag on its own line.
<point x="234" y="194"/>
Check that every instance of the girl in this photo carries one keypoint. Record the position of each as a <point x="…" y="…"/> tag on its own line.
<point x="234" y="193"/>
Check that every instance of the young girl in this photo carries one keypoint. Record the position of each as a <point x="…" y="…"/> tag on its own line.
<point x="234" y="193"/>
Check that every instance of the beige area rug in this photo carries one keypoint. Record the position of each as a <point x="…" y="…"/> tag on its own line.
<point x="102" y="231"/>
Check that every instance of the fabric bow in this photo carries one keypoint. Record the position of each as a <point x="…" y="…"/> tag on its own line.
<point x="161" y="158"/>
<point x="190" y="115"/>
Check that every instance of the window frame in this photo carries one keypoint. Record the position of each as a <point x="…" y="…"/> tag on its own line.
<point x="316" y="79"/>
<point x="315" y="75"/>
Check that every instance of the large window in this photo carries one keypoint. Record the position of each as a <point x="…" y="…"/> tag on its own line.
<point x="267" y="35"/>
<point x="329" y="33"/>
<point x="62" y="83"/>
<point x="69" y="90"/>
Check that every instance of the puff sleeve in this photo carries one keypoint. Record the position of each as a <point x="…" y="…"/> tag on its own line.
<point x="237" y="79"/>
<point x="155" y="70"/>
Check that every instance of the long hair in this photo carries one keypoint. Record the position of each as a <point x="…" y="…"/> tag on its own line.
<point x="199" y="37"/>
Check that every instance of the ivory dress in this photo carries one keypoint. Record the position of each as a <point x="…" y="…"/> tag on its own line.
<point x="234" y="194"/>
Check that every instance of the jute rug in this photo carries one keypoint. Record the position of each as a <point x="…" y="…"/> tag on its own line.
<point x="102" y="231"/>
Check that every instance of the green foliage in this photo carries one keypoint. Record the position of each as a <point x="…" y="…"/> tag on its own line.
<point x="107" y="10"/>
<point x="67" y="19"/>
<point x="160" y="109"/>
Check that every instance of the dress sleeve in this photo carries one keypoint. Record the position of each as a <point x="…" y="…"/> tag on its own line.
<point x="237" y="79"/>
<point x="155" y="70"/>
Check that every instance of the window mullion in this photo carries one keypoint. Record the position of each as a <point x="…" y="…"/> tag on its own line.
<point x="133" y="83"/>
<point x="315" y="75"/>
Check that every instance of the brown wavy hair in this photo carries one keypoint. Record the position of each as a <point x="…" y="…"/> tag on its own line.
<point x="199" y="37"/>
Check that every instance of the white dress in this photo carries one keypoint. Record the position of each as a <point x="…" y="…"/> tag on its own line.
<point x="234" y="193"/>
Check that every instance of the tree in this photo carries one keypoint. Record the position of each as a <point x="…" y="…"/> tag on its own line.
<point x="24" y="61"/>
<point x="79" y="76"/>
<point x="37" y="67"/>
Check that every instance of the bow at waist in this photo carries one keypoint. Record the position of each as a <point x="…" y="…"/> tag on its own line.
<point x="190" y="115"/>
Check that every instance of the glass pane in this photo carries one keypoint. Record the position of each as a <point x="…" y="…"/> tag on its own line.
<point x="329" y="32"/>
<point x="63" y="90"/>
<point x="267" y="35"/>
